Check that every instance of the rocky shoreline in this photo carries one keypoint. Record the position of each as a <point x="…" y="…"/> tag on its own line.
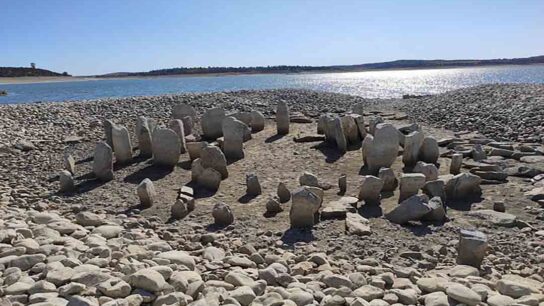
<point x="95" y="245"/>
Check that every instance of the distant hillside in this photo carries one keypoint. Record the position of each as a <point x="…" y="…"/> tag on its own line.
<point x="13" y="72"/>
<point x="399" y="64"/>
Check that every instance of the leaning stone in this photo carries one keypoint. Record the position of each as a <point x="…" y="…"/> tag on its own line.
<point x="69" y="164"/>
<point x="108" y="126"/>
<point x="305" y="204"/>
<point x="462" y="186"/>
<point x="472" y="248"/>
<point x="166" y="147"/>
<point x="412" y="146"/>
<point x="342" y="184"/>
<point x="121" y="144"/>
<point x="257" y="121"/>
<point x="410" y="183"/>
<point x="212" y="123"/>
<point x="233" y="143"/>
<point x="357" y="225"/>
<point x="411" y="209"/>
<point x="381" y="149"/>
<point x="456" y="163"/>
<point x="339" y="135"/>
<point x="282" y="118"/>
<point x="196" y="169"/>
<point x="284" y="194"/>
<point x="212" y="157"/>
<point x="370" y="189"/>
<point x="389" y="179"/>
<point x="103" y="162"/>
<point x="176" y="125"/>
<point x="429" y="170"/>
<point x="253" y="187"/>
<point x="328" y="128"/>
<point x="146" y="193"/>
<point x="222" y="214"/>
<point x="66" y="181"/>
<point x="351" y="132"/>
<point x="429" y="151"/>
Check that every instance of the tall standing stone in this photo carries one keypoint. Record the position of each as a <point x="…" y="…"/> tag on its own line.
<point x="257" y="121"/>
<point x="342" y="184"/>
<point x="305" y="205"/>
<point x="103" y="162"/>
<point x="108" y="126"/>
<point x="412" y="146"/>
<point x="472" y="248"/>
<point x="282" y="118"/>
<point x="456" y="163"/>
<point x="373" y="123"/>
<point x="143" y="133"/>
<point x="166" y="147"/>
<point x="188" y="124"/>
<point x="146" y="193"/>
<point x="381" y="149"/>
<point x="360" y="122"/>
<point x="329" y="129"/>
<point x="121" y="144"/>
<point x="339" y="136"/>
<point x="429" y="150"/>
<point x="212" y="157"/>
<point x="176" y="125"/>
<point x="233" y="143"/>
<point x="212" y="123"/>
<point x="351" y="131"/>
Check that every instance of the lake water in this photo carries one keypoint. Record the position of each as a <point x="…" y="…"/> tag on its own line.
<point x="371" y="84"/>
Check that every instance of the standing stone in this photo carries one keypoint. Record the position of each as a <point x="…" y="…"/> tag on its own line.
<point x="245" y="117"/>
<point x="69" y="164"/>
<point x="429" y="170"/>
<point x="328" y="128"/>
<point x="339" y="136"/>
<point x="351" y="131"/>
<point x="108" y="126"/>
<point x="257" y="121"/>
<point x="322" y="124"/>
<point x="144" y="141"/>
<point x="253" y="187"/>
<point x="410" y="183"/>
<point x="283" y="193"/>
<point x="360" y="122"/>
<point x="429" y="150"/>
<point x="233" y="143"/>
<point x="210" y="179"/>
<point x="370" y="189"/>
<point x="478" y="153"/>
<point x="464" y="185"/>
<point x="472" y="248"/>
<point x="176" y="125"/>
<point x="194" y="149"/>
<point x="411" y="209"/>
<point x="456" y="163"/>
<point x="197" y="169"/>
<point x="121" y="144"/>
<point x="435" y="189"/>
<point x="212" y="157"/>
<point x="66" y="181"/>
<point x="222" y="214"/>
<point x="282" y="118"/>
<point x="212" y="123"/>
<point x="373" y="123"/>
<point x="183" y="110"/>
<point x="358" y="109"/>
<point x="166" y="147"/>
<point x="389" y="179"/>
<point x="412" y="146"/>
<point x="342" y="184"/>
<point x="103" y="162"/>
<point x="305" y="205"/>
<point x="188" y="124"/>
<point x="381" y="149"/>
<point x="146" y="193"/>
<point x="273" y="206"/>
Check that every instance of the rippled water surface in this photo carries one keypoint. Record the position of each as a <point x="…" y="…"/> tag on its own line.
<point x="371" y="84"/>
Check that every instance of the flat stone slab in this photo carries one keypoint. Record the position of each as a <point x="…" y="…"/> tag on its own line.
<point x="532" y="159"/>
<point x="495" y="217"/>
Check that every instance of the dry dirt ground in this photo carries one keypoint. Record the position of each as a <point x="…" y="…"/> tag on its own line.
<point x="280" y="159"/>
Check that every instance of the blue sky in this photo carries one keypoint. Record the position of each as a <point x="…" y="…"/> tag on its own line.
<point x="101" y="36"/>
